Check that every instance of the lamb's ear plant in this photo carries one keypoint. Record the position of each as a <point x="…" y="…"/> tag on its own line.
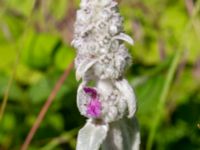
<point x="104" y="96"/>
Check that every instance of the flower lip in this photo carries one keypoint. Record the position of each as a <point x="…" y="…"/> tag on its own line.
<point x="91" y="91"/>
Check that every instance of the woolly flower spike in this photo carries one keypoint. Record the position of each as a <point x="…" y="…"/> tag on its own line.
<point x="101" y="62"/>
<point x="98" y="37"/>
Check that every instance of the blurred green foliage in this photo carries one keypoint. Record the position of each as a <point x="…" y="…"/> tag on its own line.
<point x="36" y="35"/>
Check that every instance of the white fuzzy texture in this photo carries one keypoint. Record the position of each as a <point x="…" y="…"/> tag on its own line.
<point x="98" y="36"/>
<point x="91" y="136"/>
<point x="123" y="135"/>
<point x="102" y="59"/>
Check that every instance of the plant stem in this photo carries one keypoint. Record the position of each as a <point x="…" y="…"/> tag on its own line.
<point x="16" y="62"/>
<point x="169" y="78"/>
<point x="163" y="98"/>
<point x="46" y="107"/>
<point x="5" y="98"/>
<point x="65" y="137"/>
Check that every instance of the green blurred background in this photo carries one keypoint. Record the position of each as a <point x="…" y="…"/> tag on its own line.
<point x="35" y="50"/>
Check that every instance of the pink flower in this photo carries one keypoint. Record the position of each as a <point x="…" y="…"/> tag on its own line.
<point x="94" y="106"/>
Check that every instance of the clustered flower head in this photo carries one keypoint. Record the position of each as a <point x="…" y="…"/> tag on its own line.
<point x="103" y="96"/>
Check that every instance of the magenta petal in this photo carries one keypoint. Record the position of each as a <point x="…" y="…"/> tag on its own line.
<point x="94" y="108"/>
<point x="90" y="91"/>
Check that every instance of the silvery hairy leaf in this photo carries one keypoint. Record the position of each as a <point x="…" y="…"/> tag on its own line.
<point x="129" y="95"/>
<point x="123" y="135"/>
<point x="124" y="37"/>
<point x="80" y="99"/>
<point x="91" y="136"/>
<point x="83" y="67"/>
